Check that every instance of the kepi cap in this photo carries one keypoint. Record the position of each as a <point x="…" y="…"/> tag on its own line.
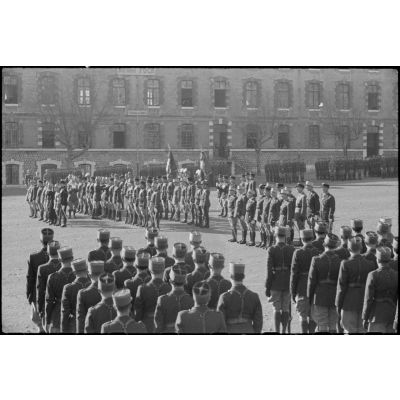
<point x="383" y="254"/>
<point x="96" y="267"/>
<point x="128" y="253"/>
<point x="356" y="223"/>
<point x="217" y="260"/>
<point x="115" y="243"/>
<point x="65" y="254"/>
<point x="103" y="235"/>
<point x="122" y="298"/>
<point x="320" y="227"/>
<point x="46" y="235"/>
<point x="306" y="234"/>
<point x="331" y="241"/>
<point x="200" y="255"/>
<point x="53" y="247"/>
<point x="345" y="232"/>
<point x="157" y="265"/>
<point x="179" y="250"/>
<point x="177" y="274"/>
<point x="161" y="242"/>
<point x="79" y="265"/>
<point x="236" y="268"/>
<point x="106" y="282"/>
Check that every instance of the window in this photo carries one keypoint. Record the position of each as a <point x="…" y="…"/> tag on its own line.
<point x="252" y="136"/>
<point x="314" y="95"/>
<point x="10" y="87"/>
<point x="343" y="91"/>
<point x="187" y="93"/>
<point x="283" y="95"/>
<point x="251" y="94"/>
<point x="152" y="136"/>
<point x="47" y="90"/>
<point x="83" y="91"/>
<point x="314" y="137"/>
<point x="119" y="136"/>
<point x="48" y="136"/>
<point x="12" y="174"/>
<point x="373" y="93"/>
<point x="220" y="94"/>
<point x="187" y="136"/>
<point x="118" y="92"/>
<point x="283" y="137"/>
<point x="83" y="137"/>
<point x="153" y="92"/>
<point x="372" y="141"/>
<point x="11" y="134"/>
<point x="85" y="168"/>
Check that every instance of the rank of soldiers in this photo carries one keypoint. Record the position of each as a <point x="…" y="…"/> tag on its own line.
<point x="357" y="168"/>
<point x="141" y="202"/>
<point x="348" y="283"/>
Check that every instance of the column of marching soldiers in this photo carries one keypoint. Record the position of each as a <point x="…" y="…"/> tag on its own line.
<point x="117" y="289"/>
<point x="143" y="201"/>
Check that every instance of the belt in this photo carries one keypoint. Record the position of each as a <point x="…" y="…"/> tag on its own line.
<point x="329" y="282"/>
<point x="148" y="315"/>
<point x="383" y="299"/>
<point x="356" y="285"/>
<point x="234" y="321"/>
<point x="281" y="269"/>
<point x="170" y="325"/>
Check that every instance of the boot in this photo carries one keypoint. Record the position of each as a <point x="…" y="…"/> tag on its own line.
<point x="252" y="239"/>
<point x="119" y="216"/>
<point x="264" y="241"/>
<point x="244" y="236"/>
<point x="304" y="327"/>
<point x="311" y="326"/>
<point x="285" y="321"/>
<point x="185" y="218"/>
<point x="259" y="244"/>
<point x="41" y="215"/>
<point x="233" y="239"/>
<point x="277" y="321"/>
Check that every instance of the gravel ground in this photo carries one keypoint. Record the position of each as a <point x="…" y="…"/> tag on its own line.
<point x="365" y="200"/>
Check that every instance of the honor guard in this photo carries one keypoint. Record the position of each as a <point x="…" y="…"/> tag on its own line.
<point x="240" y="212"/>
<point x="194" y="242"/>
<point x="142" y="276"/>
<point x="321" y="286"/>
<point x="259" y="211"/>
<point x="298" y="280"/>
<point x="273" y="216"/>
<point x="70" y="294"/>
<point x="44" y="271"/>
<point x="345" y="235"/>
<point x="351" y="287"/>
<point x="123" y="323"/>
<point x="251" y="206"/>
<point x="179" y="256"/>
<point x="313" y="206"/>
<point x="205" y="204"/>
<point x="327" y="206"/>
<point x="34" y="261"/>
<point x="201" y="272"/>
<point x="148" y="293"/>
<point x="114" y="263"/>
<point x="218" y="284"/>
<point x="200" y="318"/>
<point x="128" y="269"/>
<point x="381" y="295"/>
<point x="357" y="227"/>
<point x="300" y="212"/>
<point x="191" y="194"/>
<point x="90" y="296"/>
<point x="103" y="253"/>
<point x="241" y="307"/>
<point x="151" y="234"/>
<point x="170" y="304"/>
<point x="266" y="229"/>
<point x="385" y="236"/>
<point x="103" y="311"/>
<point x="232" y="197"/>
<point x="54" y="289"/>
<point x="320" y="230"/>
<point x="279" y="258"/>
<point x="176" y="198"/>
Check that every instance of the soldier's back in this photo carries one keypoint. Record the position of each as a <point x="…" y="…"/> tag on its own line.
<point x="123" y="274"/>
<point x="125" y="325"/>
<point x="200" y="320"/>
<point x="218" y="285"/>
<point x="97" y="315"/>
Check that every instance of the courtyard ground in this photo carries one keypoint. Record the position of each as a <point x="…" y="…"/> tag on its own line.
<point x="20" y="236"/>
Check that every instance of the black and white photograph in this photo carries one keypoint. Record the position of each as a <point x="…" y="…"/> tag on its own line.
<point x="199" y="199"/>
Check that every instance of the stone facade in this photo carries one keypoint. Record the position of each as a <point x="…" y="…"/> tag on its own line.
<point x="223" y="103"/>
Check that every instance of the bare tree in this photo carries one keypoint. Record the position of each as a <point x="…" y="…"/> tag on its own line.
<point x="345" y="126"/>
<point x="75" y="124"/>
<point x="266" y="128"/>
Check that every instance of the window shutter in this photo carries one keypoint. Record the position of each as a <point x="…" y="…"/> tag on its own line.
<point x="20" y="134"/>
<point x="126" y="80"/>
<point x="290" y="86"/>
<point x="145" y="92"/>
<point x="259" y="88"/>
<point x="161" y="85"/>
<point x="179" y="93"/>
<point x="195" y="91"/>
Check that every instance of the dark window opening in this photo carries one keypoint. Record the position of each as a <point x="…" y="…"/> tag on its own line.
<point x="152" y="136"/>
<point x="48" y="136"/>
<point x="220" y="94"/>
<point x="252" y="136"/>
<point x="314" y="95"/>
<point x="83" y="91"/>
<point x="48" y="90"/>
<point x="153" y="92"/>
<point x="119" y="136"/>
<point x="187" y="94"/>
<point x="314" y="137"/>
<point x="373" y="93"/>
<point x="344" y="96"/>
<point x="283" y="137"/>
<point x="119" y="92"/>
<point x="187" y="136"/>
<point x="11" y="134"/>
<point x="251" y="94"/>
<point x="283" y="95"/>
<point x="10" y="87"/>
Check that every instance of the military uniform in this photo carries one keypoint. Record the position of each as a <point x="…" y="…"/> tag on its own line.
<point x="240" y="212"/>
<point x="358" y="224"/>
<point x="350" y="291"/>
<point x="327" y="208"/>
<point x="241" y="306"/>
<point x="103" y="253"/>
<point x="148" y="293"/>
<point x="300" y="267"/>
<point x="103" y="311"/>
<point x="69" y="297"/>
<point x="313" y="206"/>
<point x="54" y="289"/>
<point x="342" y="251"/>
<point x="218" y="284"/>
<point x="320" y="227"/>
<point x="44" y="271"/>
<point x="381" y="295"/>
<point x="200" y="319"/>
<point x="169" y="305"/>
<point x="87" y="298"/>
<point x="321" y="287"/>
<point x="251" y="206"/>
<point x="127" y="271"/>
<point x="201" y="272"/>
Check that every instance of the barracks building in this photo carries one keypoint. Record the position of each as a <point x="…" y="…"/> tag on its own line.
<point x="136" y="114"/>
